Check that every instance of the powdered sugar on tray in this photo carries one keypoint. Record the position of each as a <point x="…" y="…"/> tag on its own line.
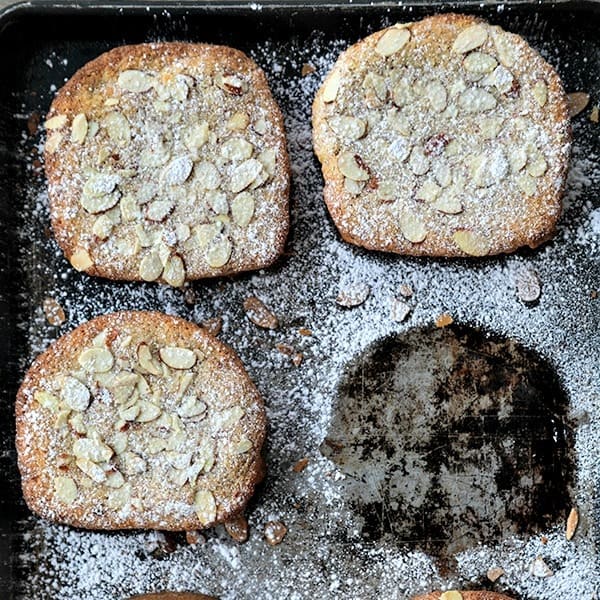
<point x="324" y="553"/>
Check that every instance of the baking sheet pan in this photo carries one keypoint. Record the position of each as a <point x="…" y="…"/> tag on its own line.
<point x="341" y="540"/>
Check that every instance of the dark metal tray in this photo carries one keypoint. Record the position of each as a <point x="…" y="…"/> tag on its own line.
<point x="347" y="533"/>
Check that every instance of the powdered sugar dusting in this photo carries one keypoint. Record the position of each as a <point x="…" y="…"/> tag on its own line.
<point x="323" y="553"/>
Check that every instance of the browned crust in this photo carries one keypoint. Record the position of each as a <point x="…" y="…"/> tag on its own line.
<point x="466" y="596"/>
<point x="32" y="448"/>
<point x="172" y="596"/>
<point x="532" y="227"/>
<point x="78" y="95"/>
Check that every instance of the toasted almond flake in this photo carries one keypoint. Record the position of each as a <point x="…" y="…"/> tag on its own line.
<point x="135" y="81"/>
<point x="537" y="165"/>
<point x="218" y="252"/>
<point x="239" y="121"/>
<point x="56" y="122"/>
<point x="81" y="260"/>
<point x="96" y="360"/>
<point x="55" y="314"/>
<point x="348" y="127"/>
<point x="540" y="92"/>
<point x="243" y="446"/>
<point x="93" y="449"/>
<point x="46" y="400"/>
<point x="118" y="128"/>
<point x="148" y="412"/>
<point x="540" y="569"/>
<point x="448" y="203"/>
<point x="471" y="243"/>
<point x="237" y="149"/>
<point x="412" y="228"/>
<point x="479" y="63"/>
<point x="595" y="114"/>
<point x="232" y="84"/>
<point x="53" y="142"/>
<point x="375" y="90"/>
<point x="476" y="100"/>
<point x="178" y="358"/>
<point x="79" y="129"/>
<point x="351" y="167"/>
<point x="174" y="271"/>
<point x="178" y="170"/>
<point x="65" y="489"/>
<point x="274" y="532"/>
<point x="436" y="93"/>
<point x="145" y="360"/>
<point x="528" y="284"/>
<point x="259" y="314"/>
<point x="428" y="192"/>
<point x="75" y="395"/>
<point x="353" y="295"/>
<point x="444" y="320"/>
<point x="399" y="310"/>
<point x="572" y="522"/>
<point x="470" y="38"/>
<point x="331" y="86"/>
<point x="527" y="184"/>
<point x="237" y="529"/>
<point x="392" y="41"/>
<point x="205" y="506"/>
<point x="518" y="159"/>
<point x="505" y="47"/>
<point x="99" y="204"/>
<point x="114" y="479"/>
<point x="577" y="103"/>
<point x="418" y="161"/>
<point x="242" y="209"/>
<point x="151" y="266"/>
<point x="244" y="174"/>
<point x="91" y="469"/>
<point x="451" y="595"/>
<point x="494" y="573"/>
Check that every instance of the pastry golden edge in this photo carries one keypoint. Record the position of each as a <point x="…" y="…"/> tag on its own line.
<point x="36" y="483"/>
<point x="338" y="200"/>
<point x="466" y="596"/>
<point x="77" y="96"/>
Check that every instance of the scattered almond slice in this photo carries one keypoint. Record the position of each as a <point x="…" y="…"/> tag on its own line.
<point x="471" y="243"/>
<point x="307" y="69"/>
<point x="79" y="129"/>
<point x="135" y="81"/>
<point x="412" y="228"/>
<point x="331" y="86"/>
<point x="572" y="523"/>
<point x="399" y="310"/>
<point x="65" y="489"/>
<point x="578" y="101"/>
<point x="539" y="568"/>
<point x="350" y="166"/>
<point x="75" y="395"/>
<point x="81" y="260"/>
<point x="96" y="360"/>
<point x="205" y="506"/>
<point x="55" y="314"/>
<point x="274" y="532"/>
<point x="470" y="38"/>
<point x="56" y="122"/>
<point x="451" y="595"/>
<point x="392" y="41"/>
<point x="353" y="295"/>
<point x="259" y="314"/>
<point x="528" y="284"/>
<point x="178" y="358"/>
<point x="595" y="114"/>
<point x="494" y="573"/>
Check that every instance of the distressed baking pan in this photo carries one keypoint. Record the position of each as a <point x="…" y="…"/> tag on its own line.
<point x="379" y="500"/>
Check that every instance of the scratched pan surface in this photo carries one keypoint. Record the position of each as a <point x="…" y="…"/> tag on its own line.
<point x="433" y="454"/>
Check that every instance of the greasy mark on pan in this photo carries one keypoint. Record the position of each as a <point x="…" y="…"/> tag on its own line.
<point x="450" y="438"/>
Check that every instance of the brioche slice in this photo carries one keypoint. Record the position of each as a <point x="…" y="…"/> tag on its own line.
<point x="443" y="137"/>
<point x="139" y="420"/>
<point x="167" y="162"/>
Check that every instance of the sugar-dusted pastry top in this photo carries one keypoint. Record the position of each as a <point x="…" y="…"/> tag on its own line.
<point x="443" y="137"/>
<point x="167" y="162"/>
<point x="139" y="420"/>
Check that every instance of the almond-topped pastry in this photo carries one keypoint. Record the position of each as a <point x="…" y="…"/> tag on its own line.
<point x="443" y="137"/>
<point x="139" y="420"/>
<point x="167" y="162"/>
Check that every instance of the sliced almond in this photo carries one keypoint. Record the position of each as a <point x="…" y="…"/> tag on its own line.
<point x="145" y="360"/>
<point x="471" y="243"/>
<point x="155" y="155"/>
<point x="239" y="121"/>
<point x="242" y="209"/>
<point x="418" y="161"/>
<point x="148" y="412"/>
<point x="375" y="90"/>
<point x="232" y="84"/>
<point x="479" y="63"/>
<point x="114" y="479"/>
<point x="65" y="489"/>
<point x="578" y="101"/>
<point x="537" y="165"/>
<point x="448" y="203"/>
<point x="476" y="100"/>
<point x="100" y="185"/>
<point x="206" y="233"/>
<point x="158" y="210"/>
<point x="46" y="400"/>
<point x="436" y="93"/>
<point x="243" y="446"/>
<point x="527" y="184"/>
<point x="99" y="204"/>
<point x="347" y="127"/>
<point x="244" y="174"/>
<point x="93" y="449"/>
<point x="135" y="81"/>
<point x="96" y="360"/>
<point x="102" y="227"/>
<point x="151" y="266"/>
<point x="205" y="506"/>
<point x="75" y="395"/>
<point x="191" y="407"/>
<point x="79" y="129"/>
<point x="91" y="469"/>
<point x="174" y="271"/>
<point x="429" y="191"/>
<point x="353" y="295"/>
<point x="118" y="128"/>
<point x="517" y="159"/>
<point x="331" y="86"/>
<point x="470" y="38"/>
<point x="540" y="92"/>
<point x="268" y="159"/>
<point x="539" y="568"/>
<point x="219" y="252"/>
<point x="399" y="310"/>
<point x="259" y="314"/>
<point x="349" y="166"/>
<point x="196" y="136"/>
<point x="494" y="573"/>
<point x="412" y="228"/>
<point x="237" y="149"/>
<point x="56" y="122"/>
<point x="130" y="412"/>
<point x="53" y="142"/>
<point x="55" y="313"/>
<point x="178" y="170"/>
<point x="132" y="463"/>
<point x="505" y="47"/>
<point x="392" y="41"/>
<point x="451" y="595"/>
<point x="178" y="358"/>
<point x="572" y="523"/>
